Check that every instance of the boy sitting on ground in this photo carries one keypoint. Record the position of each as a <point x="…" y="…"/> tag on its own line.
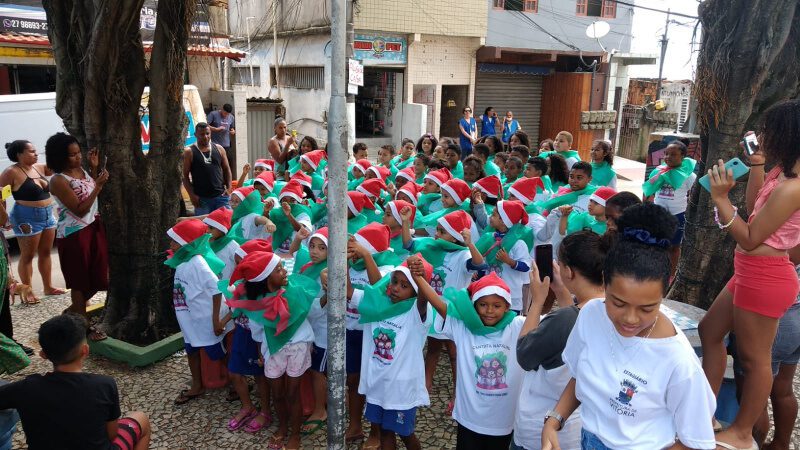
<point x="67" y="408"/>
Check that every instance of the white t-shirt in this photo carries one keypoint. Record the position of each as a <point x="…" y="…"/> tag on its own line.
<point x="551" y="224"/>
<point x="193" y="289"/>
<point x="252" y="230"/>
<point x="359" y="278"/>
<point x="486" y="392"/>
<point x="540" y="392"/>
<point x="318" y="318"/>
<point x="514" y="278"/>
<point x="392" y="365"/>
<point x="650" y="391"/>
<point x="675" y="200"/>
<point x="305" y="221"/>
<point x="227" y="254"/>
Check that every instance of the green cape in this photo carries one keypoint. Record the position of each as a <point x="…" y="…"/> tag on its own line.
<point x="220" y="243"/>
<point x="250" y="205"/>
<point x="488" y="247"/>
<point x="424" y="202"/>
<point x="434" y="250"/>
<point x="578" y="221"/>
<point x="430" y="219"/>
<point x="460" y="307"/>
<point x="200" y="247"/>
<point x="376" y="304"/>
<point x="400" y="164"/>
<point x="664" y="174"/>
<point x="384" y="258"/>
<point x="491" y="169"/>
<point x="458" y="171"/>
<point x="602" y="173"/>
<point x="564" y="196"/>
<point x="283" y="229"/>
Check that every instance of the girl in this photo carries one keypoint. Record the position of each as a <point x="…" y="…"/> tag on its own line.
<point x="468" y="132"/>
<point x="307" y="145"/>
<point x="512" y="171"/>
<point x="223" y="245"/>
<point x="537" y="168"/>
<point x="249" y="217"/>
<point x="485" y="194"/>
<point x="473" y="169"/>
<point x="602" y="159"/>
<point x="485" y="331"/>
<point x="421" y="163"/>
<point x="393" y="219"/>
<point x="634" y="374"/>
<point x="375" y="190"/>
<point x="311" y="164"/>
<point x="265" y="185"/>
<point x="409" y="192"/>
<point x="455" y="196"/>
<point x="519" y="138"/>
<point x="594" y="218"/>
<point x="431" y="189"/>
<point x="453" y="158"/>
<point x="426" y="144"/>
<point x="259" y="167"/>
<point x="546" y="146"/>
<point x="280" y="305"/>
<point x="360" y="210"/>
<point x="407" y="175"/>
<point x="488" y="121"/>
<point x="559" y="173"/>
<point x="510" y="126"/>
<point x="616" y="205"/>
<point x="764" y="284"/>
<point x="495" y="144"/>
<point x="579" y="273"/>
<point x="500" y="159"/>
<point x="406" y="156"/>
<point x="358" y="171"/>
<point x="292" y="215"/>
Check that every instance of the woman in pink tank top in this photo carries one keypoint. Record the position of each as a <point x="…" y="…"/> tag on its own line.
<point x="764" y="284"/>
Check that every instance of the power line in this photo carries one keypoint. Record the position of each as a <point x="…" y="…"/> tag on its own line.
<point x="620" y="2"/>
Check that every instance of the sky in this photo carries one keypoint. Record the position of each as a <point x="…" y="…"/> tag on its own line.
<point x="648" y="26"/>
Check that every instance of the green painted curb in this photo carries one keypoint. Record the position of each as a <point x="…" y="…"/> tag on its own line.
<point x="136" y="356"/>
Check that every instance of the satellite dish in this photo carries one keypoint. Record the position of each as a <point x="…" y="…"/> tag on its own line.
<point x="597" y="30"/>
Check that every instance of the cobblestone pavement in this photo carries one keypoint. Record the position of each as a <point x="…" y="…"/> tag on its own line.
<point x="201" y="423"/>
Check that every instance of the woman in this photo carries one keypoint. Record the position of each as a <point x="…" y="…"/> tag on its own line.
<point x="764" y="284"/>
<point x="280" y="145"/>
<point x="469" y="132"/>
<point x="494" y="143"/>
<point x="488" y="121"/>
<point x="33" y="217"/>
<point x="81" y="238"/>
<point x="603" y="173"/>
<point x="13" y="355"/>
<point x="519" y="137"/>
<point x="510" y="126"/>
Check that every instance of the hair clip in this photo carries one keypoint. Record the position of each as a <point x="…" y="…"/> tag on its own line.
<point x="645" y="237"/>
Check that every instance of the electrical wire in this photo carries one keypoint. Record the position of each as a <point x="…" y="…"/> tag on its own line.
<point x="620" y="2"/>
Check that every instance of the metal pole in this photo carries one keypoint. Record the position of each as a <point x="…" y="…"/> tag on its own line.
<point x="664" y="42"/>
<point x="275" y="45"/>
<point x="249" y="49"/>
<point x="337" y="248"/>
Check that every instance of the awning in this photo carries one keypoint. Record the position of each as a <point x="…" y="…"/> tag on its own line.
<point x="11" y="37"/>
<point x="522" y="69"/>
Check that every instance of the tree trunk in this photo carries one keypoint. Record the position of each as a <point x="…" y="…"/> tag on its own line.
<point x="101" y="77"/>
<point x="747" y="63"/>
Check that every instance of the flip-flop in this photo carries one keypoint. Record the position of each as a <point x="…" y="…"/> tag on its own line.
<point x="275" y="443"/>
<point x="234" y="424"/>
<point x="254" y="426"/>
<point x="56" y="291"/>
<point x="354" y="438"/>
<point x="311" y="426"/>
<point x="186" y="397"/>
<point x="95" y="334"/>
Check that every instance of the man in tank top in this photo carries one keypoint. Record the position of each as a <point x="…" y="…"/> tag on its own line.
<point x="206" y="173"/>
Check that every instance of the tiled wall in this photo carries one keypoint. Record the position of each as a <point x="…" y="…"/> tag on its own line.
<point x="445" y="17"/>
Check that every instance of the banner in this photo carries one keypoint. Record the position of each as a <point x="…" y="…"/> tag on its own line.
<point x="375" y="50"/>
<point x="199" y="35"/>
<point x="23" y="19"/>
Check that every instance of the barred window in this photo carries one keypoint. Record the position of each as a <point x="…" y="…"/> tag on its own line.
<point x="241" y="75"/>
<point x="299" y="77"/>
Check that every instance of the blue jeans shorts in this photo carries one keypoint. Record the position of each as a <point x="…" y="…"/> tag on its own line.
<point x="401" y="423"/>
<point x="678" y="237"/>
<point x="210" y="204"/>
<point x="38" y="218"/>
<point x="590" y="441"/>
<point x="214" y="352"/>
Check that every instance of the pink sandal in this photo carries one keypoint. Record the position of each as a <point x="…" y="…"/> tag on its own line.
<point x="253" y="426"/>
<point x="234" y="424"/>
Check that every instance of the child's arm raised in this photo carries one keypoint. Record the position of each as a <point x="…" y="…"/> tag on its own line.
<point x="562" y="223"/>
<point x="426" y="292"/>
<point x="301" y="235"/>
<point x="287" y="209"/>
<point x="357" y="251"/>
<point x="243" y="176"/>
<point x="476" y="256"/>
<point x="405" y="214"/>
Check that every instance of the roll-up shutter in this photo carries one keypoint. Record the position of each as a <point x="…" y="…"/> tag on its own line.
<point x="518" y="93"/>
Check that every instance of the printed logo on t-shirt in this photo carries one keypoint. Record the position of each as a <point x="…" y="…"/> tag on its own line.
<point x="622" y="404"/>
<point x="179" y="297"/>
<point x="667" y="191"/>
<point x="496" y="268"/>
<point x="492" y="371"/>
<point x="437" y="281"/>
<point x="284" y="248"/>
<point x="384" y="343"/>
<point x="242" y="321"/>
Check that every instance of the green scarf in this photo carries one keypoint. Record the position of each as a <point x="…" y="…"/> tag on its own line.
<point x="602" y="173"/>
<point x="460" y="307"/>
<point x="293" y="166"/>
<point x="548" y="184"/>
<point x="356" y="223"/>
<point x="458" y="171"/>
<point x="578" y="221"/>
<point x="491" y="169"/>
<point x="424" y="201"/>
<point x="220" y="243"/>
<point x="353" y="184"/>
<point x="376" y="304"/>
<point x="567" y="154"/>
<point x="318" y="211"/>
<point x="434" y="250"/>
<point x="200" y="247"/>
<point x="400" y="164"/>
<point x="430" y="220"/>
<point x="317" y="181"/>
<point x="673" y="176"/>
<point x="384" y="258"/>
<point x="488" y="244"/>
<point x="250" y="205"/>
<point x="304" y="266"/>
<point x="283" y="229"/>
<point x="296" y="297"/>
<point x="420" y="180"/>
<point x="396" y="243"/>
<point x="564" y="196"/>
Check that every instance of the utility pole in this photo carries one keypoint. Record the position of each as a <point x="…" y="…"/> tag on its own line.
<point x="664" y="42"/>
<point x="351" y="99"/>
<point x="337" y="227"/>
<point x="275" y="46"/>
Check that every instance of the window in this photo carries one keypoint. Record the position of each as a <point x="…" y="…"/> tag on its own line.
<point x="517" y="5"/>
<point x="241" y="75"/>
<point x="596" y="8"/>
<point x="299" y="77"/>
<point x="499" y="4"/>
<point x="530" y="5"/>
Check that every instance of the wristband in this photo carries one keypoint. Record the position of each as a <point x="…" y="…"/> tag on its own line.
<point x="727" y="225"/>
<point x="756" y="165"/>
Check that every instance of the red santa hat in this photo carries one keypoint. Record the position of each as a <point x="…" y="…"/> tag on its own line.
<point x="313" y="158"/>
<point x="403" y="268"/>
<point x="458" y="189"/>
<point x="407" y="173"/>
<point x="602" y="194"/>
<point x="374" y="237"/>
<point x="294" y="190"/>
<point x="396" y="206"/>
<point x="357" y="201"/>
<point x="439" y="176"/>
<point x="456" y="222"/>
<point x="412" y="190"/>
<point x="303" y="178"/>
<point x="512" y="212"/>
<point x="255" y="267"/>
<point x="243" y="192"/>
<point x="525" y="189"/>
<point x="362" y="165"/>
<point x="254" y="245"/>
<point x="266" y="164"/>
<point x="490" y="284"/>
<point x="321" y="234"/>
<point x="220" y="219"/>
<point x="491" y="186"/>
<point x="380" y="172"/>
<point x="267" y="179"/>
<point x="372" y="187"/>
<point x="187" y="231"/>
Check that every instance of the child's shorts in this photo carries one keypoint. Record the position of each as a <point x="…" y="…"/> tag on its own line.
<point x="319" y="359"/>
<point x="245" y="353"/>
<point x="129" y="433"/>
<point x="677" y="239"/>
<point x="354" y="340"/>
<point x="401" y="423"/>
<point x="292" y="359"/>
<point x="215" y="352"/>
<point x="765" y="285"/>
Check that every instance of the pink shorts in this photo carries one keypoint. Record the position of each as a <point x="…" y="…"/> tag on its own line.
<point x="765" y="285"/>
<point x="292" y="360"/>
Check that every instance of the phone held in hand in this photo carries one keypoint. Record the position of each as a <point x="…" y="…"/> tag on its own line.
<point x="750" y="144"/>
<point x="544" y="260"/>
<point x="735" y="165"/>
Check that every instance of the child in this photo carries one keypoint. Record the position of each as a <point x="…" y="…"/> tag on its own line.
<point x="280" y="306"/>
<point x="393" y="219"/>
<point x="357" y="173"/>
<point x="520" y="152"/>
<point x="410" y="193"/>
<point x="407" y="175"/>
<point x="558" y="171"/>
<point x="485" y="331"/>
<point x="265" y="184"/>
<point x="453" y="157"/>
<point x="380" y="172"/>
<point x="196" y="298"/>
<point x="576" y="194"/>
<point x="426" y="143"/>
<point x="432" y="190"/>
<point x="537" y="168"/>
<point x="512" y="171"/>
<point x="375" y="189"/>
<point x="500" y="159"/>
<point x="224" y="246"/>
<point x="290" y="217"/>
<point x="473" y="170"/>
<point x="421" y="163"/>
<point x="360" y="151"/>
<point x="563" y="145"/>
<point x="485" y="194"/>
<point x="360" y="211"/>
<point x="594" y="218"/>
<point x="67" y="408"/>
<point x="626" y="341"/>
<point x="508" y="250"/>
<point x="392" y="370"/>
<point x="311" y="165"/>
<point x="385" y="155"/>
<point x="483" y="152"/>
<point x="249" y="217"/>
<point x="259" y="167"/>
<point x="454" y="196"/>
<point x="406" y="157"/>
<point x="602" y="159"/>
<point x="616" y="205"/>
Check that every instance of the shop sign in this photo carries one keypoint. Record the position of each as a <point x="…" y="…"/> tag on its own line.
<point x="200" y="33"/>
<point x="375" y="50"/>
<point x="23" y="19"/>
<point x="355" y="74"/>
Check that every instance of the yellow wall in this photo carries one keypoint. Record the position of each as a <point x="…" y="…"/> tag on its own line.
<point x="444" y="17"/>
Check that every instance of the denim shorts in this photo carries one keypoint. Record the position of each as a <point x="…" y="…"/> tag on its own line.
<point x="210" y="204"/>
<point x="39" y="218"/>
<point x="400" y="422"/>
<point x="590" y="441"/>
<point x="678" y="237"/>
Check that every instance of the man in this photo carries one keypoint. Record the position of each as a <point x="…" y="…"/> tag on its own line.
<point x="223" y="128"/>
<point x="206" y="173"/>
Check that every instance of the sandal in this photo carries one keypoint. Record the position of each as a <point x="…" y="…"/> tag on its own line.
<point x="254" y="426"/>
<point x="245" y="417"/>
<point x="276" y="443"/>
<point x="95" y="334"/>
<point x="311" y="426"/>
<point x="186" y="397"/>
<point x="56" y="291"/>
<point x="727" y="446"/>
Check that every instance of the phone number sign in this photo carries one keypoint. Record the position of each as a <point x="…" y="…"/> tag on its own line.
<point x="23" y="25"/>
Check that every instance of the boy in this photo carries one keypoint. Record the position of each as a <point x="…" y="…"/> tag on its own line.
<point x="360" y="151"/>
<point x="67" y="408"/>
<point x="563" y="144"/>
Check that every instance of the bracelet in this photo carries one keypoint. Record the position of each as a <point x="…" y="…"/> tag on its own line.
<point x="727" y="225"/>
<point x="756" y="165"/>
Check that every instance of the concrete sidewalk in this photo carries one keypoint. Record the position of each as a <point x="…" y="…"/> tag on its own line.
<point x="630" y="175"/>
<point x="36" y="282"/>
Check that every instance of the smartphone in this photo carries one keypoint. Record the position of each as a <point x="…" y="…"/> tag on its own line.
<point x="735" y="165"/>
<point x="751" y="144"/>
<point x="105" y="163"/>
<point x="544" y="260"/>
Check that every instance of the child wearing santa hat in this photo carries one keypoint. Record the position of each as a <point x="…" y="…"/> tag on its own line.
<point x="249" y="219"/>
<point x="455" y="195"/>
<point x="357" y="173"/>
<point x="594" y="218"/>
<point x="393" y="219"/>
<point x="485" y="194"/>
<point x="410" y="192"/>
<point x="375" y="189"/>
<point x="527" y="190"/>
<point x="485" y="330"/>
<point x="576" y="193"/>
<point x="223" y="245"/>
<point x="311" y="165"/>
<point x="430" y="200"/>
<point x="360" y="211"/>
<point x="292" y="215"/>
<point x="259" y="167"/>
<point x="267" y="185"/>
<point x="196" y="298"/>
<point x="396" y="323"/>
<point x="385" y="156"/>
<point x="406" y="175"/>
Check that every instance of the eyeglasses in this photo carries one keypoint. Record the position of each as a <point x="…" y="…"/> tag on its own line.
<point x="467" y="110"/>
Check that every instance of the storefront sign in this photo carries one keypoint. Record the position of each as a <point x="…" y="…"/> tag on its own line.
<point x="355" y="73"/>
<point x="376" y="50"/>
<point x="23" y="19"/>
<point x="200" y="33"/>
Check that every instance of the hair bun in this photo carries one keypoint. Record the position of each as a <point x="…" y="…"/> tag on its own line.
<point x="644" y="237"/>
<point x="8" y="144"/>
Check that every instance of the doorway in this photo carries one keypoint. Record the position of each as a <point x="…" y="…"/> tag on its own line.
<point x="454" y="99"/>
<point x="377" y="111"/>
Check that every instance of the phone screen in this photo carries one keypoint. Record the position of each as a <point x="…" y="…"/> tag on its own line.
<point x="751" y="144"/>
<point x="544" y="260"/>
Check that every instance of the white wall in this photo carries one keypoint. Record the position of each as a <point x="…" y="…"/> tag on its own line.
<point x="204" y="73"/>
<point x="414" y="120"/>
